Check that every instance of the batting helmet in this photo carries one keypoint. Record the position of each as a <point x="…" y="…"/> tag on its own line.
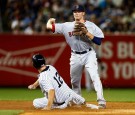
<point x="38" y="61"/>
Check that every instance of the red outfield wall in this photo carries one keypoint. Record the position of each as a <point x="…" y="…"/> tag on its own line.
<point x="116" y="66"/>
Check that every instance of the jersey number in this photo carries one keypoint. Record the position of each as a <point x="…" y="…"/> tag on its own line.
<point x="58" y="80"/>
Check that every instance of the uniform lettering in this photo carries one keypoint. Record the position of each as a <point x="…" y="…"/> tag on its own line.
<point x="70" y="34"/>
<point x="58" y="79"/>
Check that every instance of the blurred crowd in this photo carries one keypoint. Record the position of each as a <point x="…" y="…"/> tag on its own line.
<point x="30" y="16"/>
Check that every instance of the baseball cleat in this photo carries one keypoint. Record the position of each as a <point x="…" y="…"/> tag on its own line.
<point x="102" y="106"/>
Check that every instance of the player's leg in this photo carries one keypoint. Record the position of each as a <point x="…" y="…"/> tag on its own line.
<point x="76" y="73"/>
<point x="77" y="99"/>
<point x="92" y="68"/>
<point x="40" y="102"/>
<point x="88" y="82"/>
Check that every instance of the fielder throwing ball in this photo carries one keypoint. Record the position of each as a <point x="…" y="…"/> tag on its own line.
<point x="80" y="36"/>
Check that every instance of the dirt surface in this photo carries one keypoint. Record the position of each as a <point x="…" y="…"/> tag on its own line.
<point x="113" y="108"/>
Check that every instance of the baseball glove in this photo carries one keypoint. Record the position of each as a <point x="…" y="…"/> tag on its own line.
<point x="79" y="29"/>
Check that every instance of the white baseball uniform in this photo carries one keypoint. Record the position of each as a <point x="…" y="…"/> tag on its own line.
<point x="50" y="79"/>
<point x="86" y="59"/>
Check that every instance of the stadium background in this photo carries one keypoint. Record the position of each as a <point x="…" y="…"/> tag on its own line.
<point x="23" y="33"/>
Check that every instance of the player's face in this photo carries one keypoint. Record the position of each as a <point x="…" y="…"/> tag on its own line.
<point x="78" y="15"/>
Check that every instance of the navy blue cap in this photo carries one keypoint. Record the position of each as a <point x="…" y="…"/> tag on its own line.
<point x="78" y="8"/>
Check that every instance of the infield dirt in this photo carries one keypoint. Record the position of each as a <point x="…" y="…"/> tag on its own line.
<point x="113" y="108"/>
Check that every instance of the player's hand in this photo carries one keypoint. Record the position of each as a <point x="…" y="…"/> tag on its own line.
<point x="49" y="23"/>
<point x="46" y="108"/>
<point x="52" y="20"/>
<point x="31" y="87"/>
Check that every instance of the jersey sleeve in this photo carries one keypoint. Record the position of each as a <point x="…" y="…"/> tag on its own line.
<point x="59" y="28"/>
<point x="97" y="32"/>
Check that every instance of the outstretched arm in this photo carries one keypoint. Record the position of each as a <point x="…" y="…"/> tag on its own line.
<point x="50" y="23"/>
<point x="34" y="85"/>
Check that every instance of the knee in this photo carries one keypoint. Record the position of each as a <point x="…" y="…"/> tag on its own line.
<point x="75" y="85"/>
<point x="75" y="82"/>
<point x="35" y="104"/>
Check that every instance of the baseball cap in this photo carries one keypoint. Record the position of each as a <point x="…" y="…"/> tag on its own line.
<point x="78" y="8"/>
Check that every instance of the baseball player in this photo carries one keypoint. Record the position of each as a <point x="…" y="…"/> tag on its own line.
<point x="56" y="91"/>
<point x="80" y="35"/>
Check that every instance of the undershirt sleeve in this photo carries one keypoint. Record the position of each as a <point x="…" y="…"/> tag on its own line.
<point x="97" y="40"/>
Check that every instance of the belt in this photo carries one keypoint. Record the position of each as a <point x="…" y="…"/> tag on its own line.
<point x="83" y="52"/>
<point x="58" y="104"/>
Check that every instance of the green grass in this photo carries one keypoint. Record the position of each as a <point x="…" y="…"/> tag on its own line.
<point x="111" y="95"/>
<point x="120" y="95"/>
<point x="19" y="94"/>
<point x="10" y="112"/>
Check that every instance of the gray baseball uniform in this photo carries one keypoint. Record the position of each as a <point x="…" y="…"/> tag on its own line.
<point x="82" y="55"/>
<point x="50" y="79"/>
